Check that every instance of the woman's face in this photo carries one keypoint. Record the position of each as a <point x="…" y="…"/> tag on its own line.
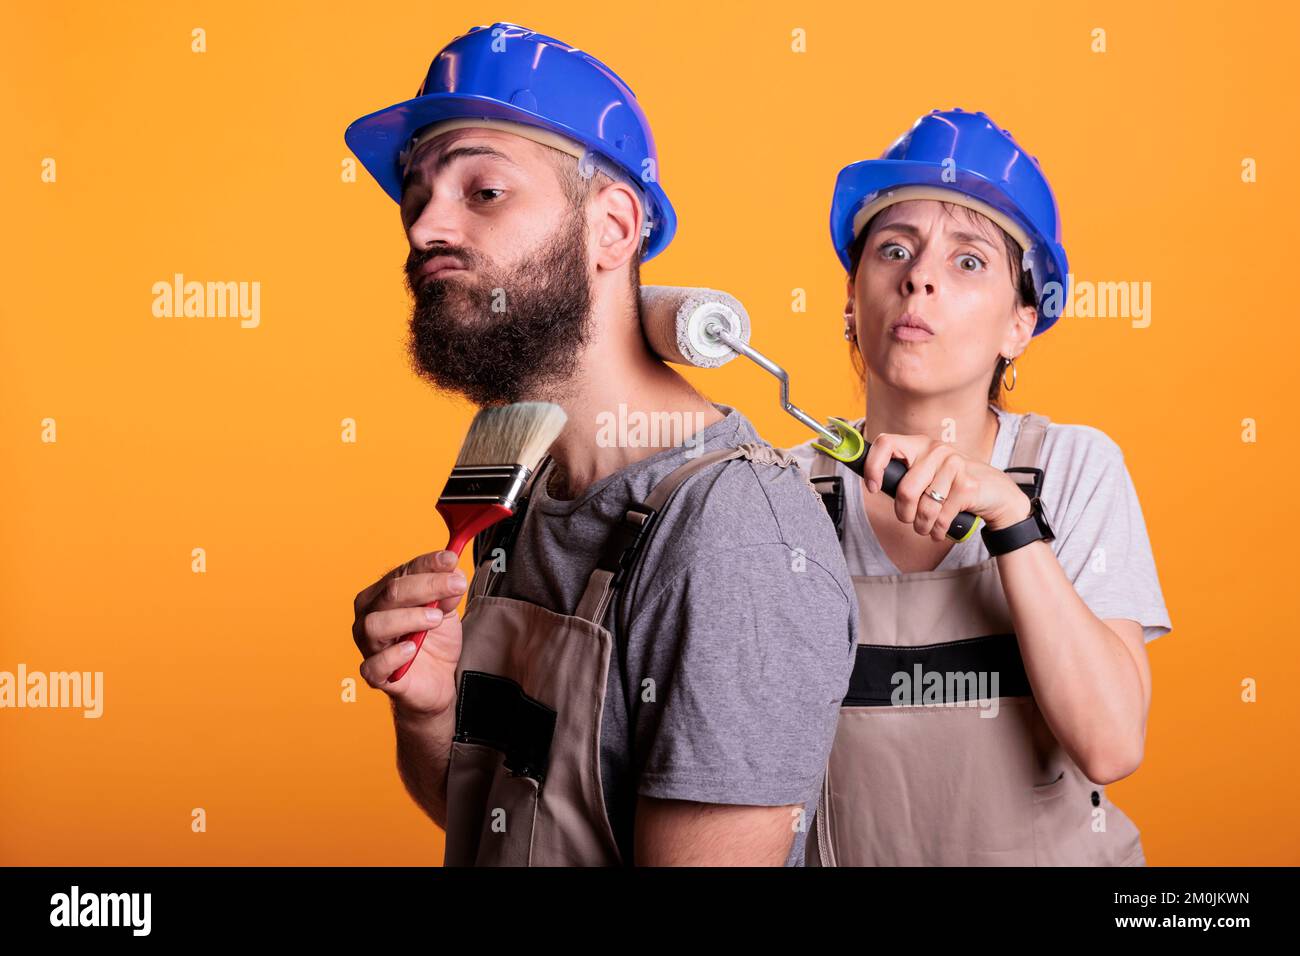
<point x="932" y="299"/>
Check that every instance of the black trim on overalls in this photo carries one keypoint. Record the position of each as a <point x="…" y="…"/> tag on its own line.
<point x="1035" y="473"/>
<point x="875" y="669"/>
<point x="832" y="499"/>
<point x="622" y="551"/>
<point x="503" y="533"/>
<point x="494" y="711"/>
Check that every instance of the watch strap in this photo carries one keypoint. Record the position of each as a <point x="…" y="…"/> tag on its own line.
<point x="1031" y="529"/>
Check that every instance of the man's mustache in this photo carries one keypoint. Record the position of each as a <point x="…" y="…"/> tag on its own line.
<point x="415" y="261"/>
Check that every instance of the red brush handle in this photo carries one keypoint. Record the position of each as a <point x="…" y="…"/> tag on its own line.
<point x="463" y="522"/>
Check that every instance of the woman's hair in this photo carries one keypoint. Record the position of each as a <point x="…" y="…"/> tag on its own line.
<point x="1021" y="281"/>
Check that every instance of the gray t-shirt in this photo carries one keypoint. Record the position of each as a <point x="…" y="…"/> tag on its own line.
<point x="741" y="613"/>
<point x="1091" y="504"/>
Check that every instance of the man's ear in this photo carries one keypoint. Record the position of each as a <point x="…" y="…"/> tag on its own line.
<point x="616" y="223"/>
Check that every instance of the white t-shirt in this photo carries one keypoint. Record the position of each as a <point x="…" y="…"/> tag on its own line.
<point x="1091" y="504"/>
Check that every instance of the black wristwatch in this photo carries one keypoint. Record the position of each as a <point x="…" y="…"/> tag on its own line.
<point x="1033" y="528"/>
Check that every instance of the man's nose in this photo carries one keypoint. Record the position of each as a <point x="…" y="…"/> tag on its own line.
<point x="437" y="221"/>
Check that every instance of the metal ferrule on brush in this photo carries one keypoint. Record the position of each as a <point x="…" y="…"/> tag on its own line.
<point x="486" y="485"/>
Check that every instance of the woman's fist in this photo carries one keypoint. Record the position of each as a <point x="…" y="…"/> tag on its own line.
<point x="963" y="483"/>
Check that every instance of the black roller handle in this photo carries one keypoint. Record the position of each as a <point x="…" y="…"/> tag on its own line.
<point x="962" y="526"/>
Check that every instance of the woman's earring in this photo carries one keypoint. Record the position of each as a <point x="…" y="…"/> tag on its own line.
<point x="849" y="333"/>
<point x="1011" y="364"/>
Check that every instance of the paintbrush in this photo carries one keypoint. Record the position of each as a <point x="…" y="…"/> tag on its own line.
<point x="502" y="449"/>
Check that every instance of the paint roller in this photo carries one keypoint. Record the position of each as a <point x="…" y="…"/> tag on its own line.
<point x="708" y="328"/>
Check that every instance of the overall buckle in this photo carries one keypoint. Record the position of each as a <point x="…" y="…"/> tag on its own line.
<point x="1038" y="478"/>
<point x="632" y="532"/>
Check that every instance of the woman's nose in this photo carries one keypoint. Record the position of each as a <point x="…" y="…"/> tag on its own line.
<point x="918" y="279"/>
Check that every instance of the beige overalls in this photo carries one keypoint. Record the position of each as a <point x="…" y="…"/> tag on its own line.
<point x="523" y="784"/>
<point x="914" y="782"/>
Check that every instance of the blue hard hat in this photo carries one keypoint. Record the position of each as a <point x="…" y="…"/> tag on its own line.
<point x="507" y="72"/>
<point x="967" y="154"/>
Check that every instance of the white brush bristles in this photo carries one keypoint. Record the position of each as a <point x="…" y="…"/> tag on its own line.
<point x="512" y="434"/>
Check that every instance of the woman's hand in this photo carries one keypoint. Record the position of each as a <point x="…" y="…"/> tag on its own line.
<point x="965" y="484"/>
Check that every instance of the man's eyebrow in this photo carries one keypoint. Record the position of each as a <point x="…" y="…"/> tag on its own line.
<point x="450" y="156"/>
<point x="915" y="233"/>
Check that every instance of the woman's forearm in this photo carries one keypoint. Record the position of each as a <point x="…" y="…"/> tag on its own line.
<point x="1085" y="681"/>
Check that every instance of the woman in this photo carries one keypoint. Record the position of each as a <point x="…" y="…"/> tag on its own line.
<point x="1001" y="681"/>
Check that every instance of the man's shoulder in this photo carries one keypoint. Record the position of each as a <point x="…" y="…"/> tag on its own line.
<point x="805" y="454"/>
<point x="757" y="510"/>
<point x="761" y="496"/>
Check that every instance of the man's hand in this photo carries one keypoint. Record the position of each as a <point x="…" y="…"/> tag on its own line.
<point x="424" y="699"/>
<point x="392" y="608"/>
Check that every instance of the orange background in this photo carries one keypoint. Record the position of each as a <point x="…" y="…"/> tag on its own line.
<point x="222" y="690"/>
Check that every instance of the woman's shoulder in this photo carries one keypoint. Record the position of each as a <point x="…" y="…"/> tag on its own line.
<point x="1083" y="468"/>
<point x="1070" y="442"/>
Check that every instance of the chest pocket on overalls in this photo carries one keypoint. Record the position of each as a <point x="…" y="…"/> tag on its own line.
<point x="498" y="724"/>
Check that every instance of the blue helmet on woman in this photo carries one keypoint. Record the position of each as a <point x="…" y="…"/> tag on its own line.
<point x="961" y="157"/>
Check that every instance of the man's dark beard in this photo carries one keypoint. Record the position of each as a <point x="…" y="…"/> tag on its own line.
<point x="525" y="350"/>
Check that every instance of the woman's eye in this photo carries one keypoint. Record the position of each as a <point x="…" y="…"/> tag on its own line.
<point x="970" y="263"/>
<point x="892" y="250"/>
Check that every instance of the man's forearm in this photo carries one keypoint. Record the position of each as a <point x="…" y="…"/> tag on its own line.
<point x="685" y="833"/>
<point x="423" y="752"/>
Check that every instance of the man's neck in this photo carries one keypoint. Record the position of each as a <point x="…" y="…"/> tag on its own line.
<point x="964" y="420"/>
<point x="624" y="405"/>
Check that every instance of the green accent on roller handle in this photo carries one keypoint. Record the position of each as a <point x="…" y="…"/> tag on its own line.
<point x="973" y="525"/>
<point x="852" y="445"/>
<point x="852" y="450"/>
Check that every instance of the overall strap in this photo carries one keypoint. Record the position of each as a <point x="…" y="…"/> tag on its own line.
<point x="823" y="467"/>
<point x="624" y="544"/>
<point x="1024" y="469"/>
<point x="827" y="483"/>
<point x="500" y="535"/>
<point x="830" y="486"/>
